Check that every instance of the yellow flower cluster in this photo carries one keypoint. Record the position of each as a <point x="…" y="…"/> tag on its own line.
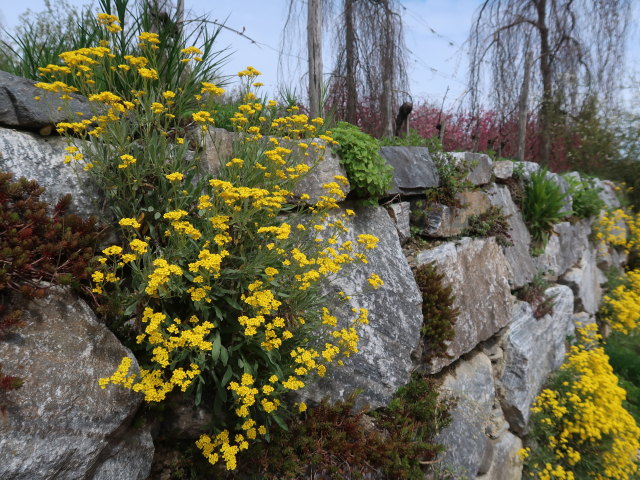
<point x="618" y="228"/>
<point x="623" y="312"/>
<point x="585" y="417"/>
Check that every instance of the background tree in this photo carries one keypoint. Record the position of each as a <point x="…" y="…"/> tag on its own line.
<point x="578" y="47"/>
<point x="370" y="69"/>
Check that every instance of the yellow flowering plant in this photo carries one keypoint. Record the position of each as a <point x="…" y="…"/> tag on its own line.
<point x="579" y="425"/>
<point x="219" y="279"/>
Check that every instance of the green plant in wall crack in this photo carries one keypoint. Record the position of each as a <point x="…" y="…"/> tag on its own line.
<point x="586" y="199"/>
<point x="367" y="171"/>
<point x="438" y="311"/>
<point x="338" y="441"/>
<point x="453" y="179"/>
<point x="542" y="206"/>
<point x="492" y="223"/>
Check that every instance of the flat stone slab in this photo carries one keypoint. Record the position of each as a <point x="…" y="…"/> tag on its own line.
<point x="61" y="424"/>
<point x="477" y="272"/>
<point x="533" y="348"/>
<point x="383" y="363"/>
<point x="20" y="109"/>
<point x="413" y="169"/>
<point x="42" y="159"/>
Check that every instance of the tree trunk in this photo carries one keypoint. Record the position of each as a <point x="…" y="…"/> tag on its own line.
<point x="350" y="51"/>
<point x="387" y="74"/>
<point x="522" y="106"/>
<point x="545" y="71"/>
<point x="314" y="53"/>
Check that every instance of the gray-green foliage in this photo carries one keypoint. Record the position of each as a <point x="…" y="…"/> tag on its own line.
<point x="542" y="206"/>
<point x="368" y="173"/>
<point x="586" y="201"/>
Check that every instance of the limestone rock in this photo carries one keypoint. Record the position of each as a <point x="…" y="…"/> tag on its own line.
<point x="503" y="169"/>
<point x="520" y="265"/>
<point x="480" y="165"/>
<point x="184" y="420"/>
<point x="565" y="247"/>
<point x="383" y="363"/>
<point x="505" y="462"/>
<point x="20" y="109"/>
<point x="400" y="214"/>
<point x="477" y="272"/>
<point x="607" y="192"/>
<point x="217" y="148"/>
<point x="413" y="169"/>
<point x="532" y="349"/>
<point x="130" y="459"/>
<point x="470" y="384"/>
<point x="442" y="221"/>
<point x="61" y="424"/>
<point x="42" y="159"/>
<point x="325" y="169"/>
<point x="584" y="281"/>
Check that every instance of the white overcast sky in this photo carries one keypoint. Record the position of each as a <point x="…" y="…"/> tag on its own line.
<point x="435" y="33"/>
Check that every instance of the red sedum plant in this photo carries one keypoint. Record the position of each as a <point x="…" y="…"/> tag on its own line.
<point x="37" y="248"/>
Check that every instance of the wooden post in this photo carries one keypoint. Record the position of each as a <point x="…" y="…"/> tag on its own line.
<point x="314" y="53"/>
<point x="522" y="106"/>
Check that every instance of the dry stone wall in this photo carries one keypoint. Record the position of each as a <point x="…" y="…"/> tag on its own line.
<point x="496" y="364"/>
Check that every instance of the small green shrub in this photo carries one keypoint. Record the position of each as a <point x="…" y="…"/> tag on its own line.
<point x="542" y="206"/>
<point x="533" y="293"/>
<point x="586" y="201"/>
<point x="492" y="223"/>
<point x="368" y="173"/>
<point x="336" y="441"/>
<point x="438" y="311"/>
<point x="453" y="180"/>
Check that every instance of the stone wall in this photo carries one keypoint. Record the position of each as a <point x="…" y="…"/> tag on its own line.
<point x="496" y="364"/>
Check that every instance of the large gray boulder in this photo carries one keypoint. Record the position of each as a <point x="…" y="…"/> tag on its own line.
<point x="466" y="444"/>
<point x="20" y="109"/>
<point x="533" y="348"/>
<point x="565" y="247"/>
<point x="477" y="272"/>
<point x="480" y="166"/>
<point x="520" y="265"/>
<point x="383" y="363"/>
<point x="61" y="424"/>
<point x="42" y="159"/>
<point x="413" y="169"/>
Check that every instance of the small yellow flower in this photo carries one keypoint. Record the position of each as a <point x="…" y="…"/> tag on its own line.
<point x="174" y="177"/>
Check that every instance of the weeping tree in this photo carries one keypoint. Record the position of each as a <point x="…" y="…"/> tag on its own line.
<point x="370" y="69"/>
<point x="369" y="74"/>
<point x="578" y="47"/>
